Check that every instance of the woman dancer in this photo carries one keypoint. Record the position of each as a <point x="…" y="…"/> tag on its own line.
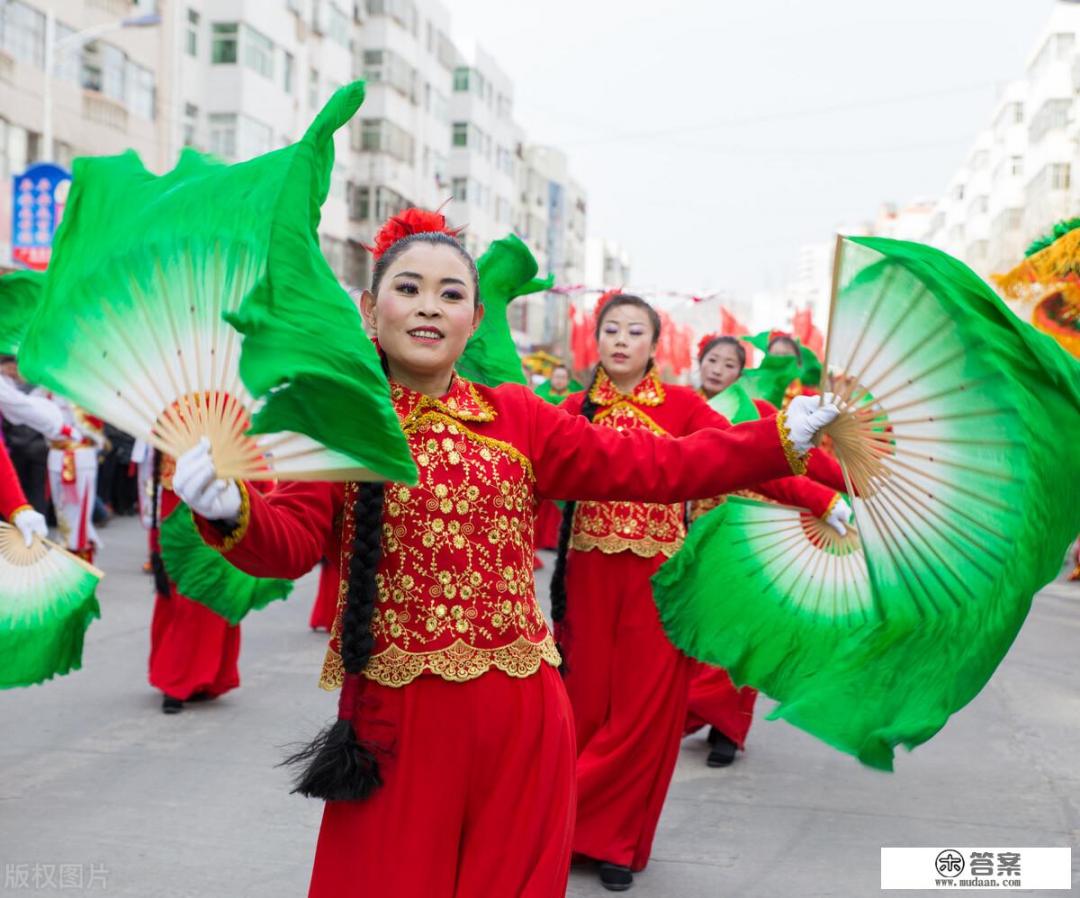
<point x="454" y="731"/>
<point x="627" y="682"/>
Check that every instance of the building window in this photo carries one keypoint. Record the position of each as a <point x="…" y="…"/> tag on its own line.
<point x="1052" y="115"/>
<point x="460" y="133"/>
<point x="192" y="36"/>
<point x="376" y="135"/>
<point x="142" y="90"/>
<point x="1059" y="176"/>
<point x="224" y="43"/>
<point x="358" y="200"/>
<point x="258" y="52"/>
<point x="22" y="32"/>
<point x="313" y="89"/>
<point x="460" y="189"/>
<point x="287" y="65"/>
<point x="238" y="137"/>
<point x="190" y="124"/>
<point x="461" y="79"/>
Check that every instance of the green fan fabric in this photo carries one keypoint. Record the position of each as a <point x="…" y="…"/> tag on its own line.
<point x="507" y="270"/>
<point x="138" y="255"/>
<point x="202" y="573"/>
<point x="20" y="295"/>
<point x="979" y="415"/>
<point x="544" y="391"/>
<point x="769" y="381"/>
<point x="45" y="610"/>
<point x="735" y="404"/>
<point x="808" y="368"/>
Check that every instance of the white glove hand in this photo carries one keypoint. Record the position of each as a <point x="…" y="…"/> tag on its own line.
<point x="198" y="486"/>
<point x="839" y="517"/>
<point x="30" y="523"/>
<point x="805" y="416"/>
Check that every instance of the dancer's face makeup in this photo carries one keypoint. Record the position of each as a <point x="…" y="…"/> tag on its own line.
<point x="425" y="312"/>
<point x="626" y="343"/>
<point x="720" y="369"/>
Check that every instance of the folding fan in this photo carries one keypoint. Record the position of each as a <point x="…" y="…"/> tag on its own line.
<point x="198" y="304"/>
<point x="46" y="603"/>
<point x="954" y="415"/>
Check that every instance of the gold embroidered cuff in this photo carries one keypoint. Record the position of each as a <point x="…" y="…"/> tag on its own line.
<point x="229" y="540"/>
<point x="26" y="506"/>
<point x="829" y="508"/>
<point x="796" y="461"/>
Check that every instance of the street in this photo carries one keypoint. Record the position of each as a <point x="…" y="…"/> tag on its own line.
<point x="95" y="780"/>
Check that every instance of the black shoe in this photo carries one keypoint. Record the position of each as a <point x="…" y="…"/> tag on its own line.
<point x="170" y="705"/>
<point x="615" y="878"/>
<point x="723" y="749"/>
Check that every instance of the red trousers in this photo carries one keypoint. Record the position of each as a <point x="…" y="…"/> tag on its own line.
<point x="326" y="599"/>
<point x="548" y="521"/>
<point x="714" y="701"/>
<point x="192" y="649"/>
<point x="628" y="686"/>
<point x="477" y="797"/>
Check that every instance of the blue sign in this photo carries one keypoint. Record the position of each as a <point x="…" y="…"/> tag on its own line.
<point x="39" y="196"/>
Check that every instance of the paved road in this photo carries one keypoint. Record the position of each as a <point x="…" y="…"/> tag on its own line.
<point x="97" y="784"/>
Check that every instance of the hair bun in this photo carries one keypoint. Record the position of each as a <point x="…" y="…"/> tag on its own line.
<point x="404" y="224"/>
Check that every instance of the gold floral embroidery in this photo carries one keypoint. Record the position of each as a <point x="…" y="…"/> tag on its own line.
<point x="795" y="459"/>
<point x="649" y="392"/>
<point x="228" y="542"/>
<point x="333" y="670"/>
<point x="647" y="529"/>
<point x="456" y="592"/>
<point x="460" y="661"/>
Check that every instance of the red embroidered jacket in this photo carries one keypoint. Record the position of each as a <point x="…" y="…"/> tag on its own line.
<point x="455" y="583"/>
<point x="12" y="498"/>
<point x="648" y="529"/>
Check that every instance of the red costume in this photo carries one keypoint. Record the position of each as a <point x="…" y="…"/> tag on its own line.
<point x="461" y="698"/>
<point x="714" y="700"/>
<point x="324" y="609"/>
<point x="193" y="651"/>
<point x="627" y="683"/>
<point x="12" y="498"/>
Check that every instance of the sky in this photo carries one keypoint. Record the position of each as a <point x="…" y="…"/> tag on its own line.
<point x="716" y="137"/>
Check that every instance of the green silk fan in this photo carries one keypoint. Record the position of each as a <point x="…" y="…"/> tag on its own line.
<point x="47" y="601"/>
<point x="954" y="438"/>
<point x="201" y="573"/>
<point x="735" y="404"/>
<point x="507" y="270"/>
<point x="198" y="304"/>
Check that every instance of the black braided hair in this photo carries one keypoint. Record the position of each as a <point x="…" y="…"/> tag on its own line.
<point x="740" y="349"/>
<point x="336" y="766"/>
<point x="558" y="576"/>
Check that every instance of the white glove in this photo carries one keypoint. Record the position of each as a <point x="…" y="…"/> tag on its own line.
<point x="805" y="416"/>
<point x="198" y="486"/>
<point x="30" y="524"/>
<point x="839" y="517"/>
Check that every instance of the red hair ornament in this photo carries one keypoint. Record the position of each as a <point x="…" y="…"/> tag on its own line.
<point x="405" y="224"/>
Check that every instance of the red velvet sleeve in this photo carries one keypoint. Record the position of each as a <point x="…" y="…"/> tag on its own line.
<point x="11" y="494"/>
<point x="281" y="534"/>
<point x="801" y="492"/>
<point x="573" y="459"/>
<point x="821" y="467"/>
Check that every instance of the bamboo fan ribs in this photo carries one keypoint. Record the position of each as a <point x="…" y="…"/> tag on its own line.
<point x="48" y="600"/>
<point x="953" y="436"/>
<point x="197" y="304"/>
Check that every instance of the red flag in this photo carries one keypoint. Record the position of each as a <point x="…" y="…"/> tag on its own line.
<point x="731" y="325"/>
<point x="802" y="326"/>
